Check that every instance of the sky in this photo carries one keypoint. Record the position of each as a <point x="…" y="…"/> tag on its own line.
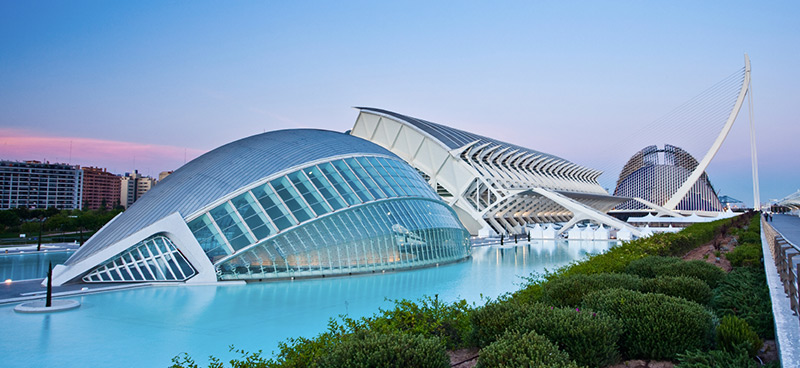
<point x="148" y="85"/>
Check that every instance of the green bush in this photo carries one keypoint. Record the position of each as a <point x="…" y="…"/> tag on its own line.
<point x="366" y="349"/>
<point x="734" y="332"/>
<point x="750" y="236"/>
<point x="669" y="266"/>
<point x="523" y="349"/>
<point x="688" y="288"/>
<point x="429" y="317"/>
<point x="589" y="338"/>
<point x="746" y="255"/>
<point x="655" y="326"/>
<point x="570" y="290"/>
<point x="715" y="359"/>
<point x="744" y="293"/>
<point x="493" y="319"/>
<point x="650" y="267"/>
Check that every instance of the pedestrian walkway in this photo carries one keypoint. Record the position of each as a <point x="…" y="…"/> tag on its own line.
<point x="787" y="326"/>
<point x="788" y="226"/>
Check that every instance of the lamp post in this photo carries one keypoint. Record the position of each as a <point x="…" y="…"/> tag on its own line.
<point x="41" y="226"/>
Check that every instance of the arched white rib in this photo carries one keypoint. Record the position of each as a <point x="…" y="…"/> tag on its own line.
<point x="701" y="167"/>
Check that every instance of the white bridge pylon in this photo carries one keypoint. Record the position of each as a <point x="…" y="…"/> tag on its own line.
<point x="676" y="198"/>
<point x="581" y="212"/>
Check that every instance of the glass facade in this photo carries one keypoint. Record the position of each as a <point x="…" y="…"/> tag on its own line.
<point x="153" y="259"/>
<point x="342" y="216"/>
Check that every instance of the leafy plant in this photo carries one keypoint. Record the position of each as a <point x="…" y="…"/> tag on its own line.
<point x="654" y="266"/>
<point x="734" y="332"/>
<point x="523" y="349"/>
<point x="570" y="290"/>
<point x="655" y="326"/>
<point x="429" y="317"/>
<point x="715" y="359"/>
<point x="688" y="288"/>
<point x="746" y="255"/>
<point x="365" y="349"/>
<point x="744" y="293"/>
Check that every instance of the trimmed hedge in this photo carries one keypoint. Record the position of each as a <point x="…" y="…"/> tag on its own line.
<point x="734" y="332"/>
<point x="746" y="255"/>
<point x="669" y="266"/>
<point x="589" y="338"/>
<point x="523" y="349"/>
<point x="716" y="359"/>
<point x="688" y="288"/>
<point x="367" y="349"/>
<point x="570" y="290"/>
<point x="744" y="293"/>
<point x="655" y="326"/>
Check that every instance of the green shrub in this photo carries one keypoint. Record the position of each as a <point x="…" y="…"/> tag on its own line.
<point x="655" y="326"/>
<point x="589" y="338"/>
<point x="733" y="332"/>
<point x="429" y="317"/>
<point x="746" y="255"/>
<point x="523" y="349"/>
<point x="715" y="359"/>
<point x="493" y="319"/>
<point x="570" y="290"/>
<point x="669" y="266"/>
<point x="750" y="236"/>
<point x="366" y="349"/>
<point x="744" y="293"/>
<point x="688" y="288"/>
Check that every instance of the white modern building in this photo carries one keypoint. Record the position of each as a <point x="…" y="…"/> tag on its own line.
<point x="495" y="187"/>
<point x="283" y="204"/>
<point x="134" y="186"/>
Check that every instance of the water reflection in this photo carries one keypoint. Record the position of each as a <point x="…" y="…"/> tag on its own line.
<point x="203" y="320"/>
<point x="29" y="265"/>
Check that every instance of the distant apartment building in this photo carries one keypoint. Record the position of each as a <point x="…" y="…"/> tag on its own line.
<point x="163" y="175"/>
<point x="34" y="184"/>
<point x="100" y="188"/>
<point x="133" y="186"/>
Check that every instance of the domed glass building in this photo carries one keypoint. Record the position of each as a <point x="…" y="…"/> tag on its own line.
<point x="290" y="203"/>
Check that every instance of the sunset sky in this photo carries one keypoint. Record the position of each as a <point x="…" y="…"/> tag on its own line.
<point x="149" y="84"/>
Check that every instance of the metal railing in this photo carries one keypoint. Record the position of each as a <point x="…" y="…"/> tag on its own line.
<point x="787" y="259"/>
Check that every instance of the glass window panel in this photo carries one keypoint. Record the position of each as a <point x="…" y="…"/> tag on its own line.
<point x="391" y="177"/>
<point x="231" y="227"/>
<point x="208" y="237"/>
<point x="309" y="193"/>
<point x="368" y="165"/>
<point x="371" y="185"/>
<point x="325" y="188"/>
<point x="251" y="213"/>
<point x="292" y="199"/>
<point x="340" y="184"/>
<point x="276" y="211"/>
<point x="353" y="181"/>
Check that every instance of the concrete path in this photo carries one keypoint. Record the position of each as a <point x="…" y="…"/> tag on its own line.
<point x="787" y="326"/>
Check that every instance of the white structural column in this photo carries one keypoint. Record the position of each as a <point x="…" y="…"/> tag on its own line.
<point x="581" y="212"/>
<point x="753" y="153"/>
<point x="672" y="203"/>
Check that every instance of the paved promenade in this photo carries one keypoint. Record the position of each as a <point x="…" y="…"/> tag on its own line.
<point x="788" y="226"/>
<point x="787" y="326"/>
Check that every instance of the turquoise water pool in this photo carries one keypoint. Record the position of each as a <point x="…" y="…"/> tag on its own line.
<point x="31" y="265"/>
<point x="147" y="327"/>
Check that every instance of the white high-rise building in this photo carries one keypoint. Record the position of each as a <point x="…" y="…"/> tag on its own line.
<point x="133" y="186"/>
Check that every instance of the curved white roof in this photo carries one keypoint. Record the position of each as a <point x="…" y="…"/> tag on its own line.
<point x="223" y="170"/>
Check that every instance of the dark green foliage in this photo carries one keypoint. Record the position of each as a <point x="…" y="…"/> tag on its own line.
<point x="429" y="317"/>
<point x="669" y="266"/>
<point x="746" y="255"/>
<point x="656" y="326"/>
<point x="688" y="288"/>
<point x="716" y="359"/>
<point x="734" y="332"/>
<point x="744" y="293"/>
<point x="523" y="349"/>
<point x="570" y="290"/>
<point x="589" y="338"/>
<point x="493" y="319"/>
<point x="750" y="236"/>
<point x="650" y="267"/>
<point x="366" y="349"/>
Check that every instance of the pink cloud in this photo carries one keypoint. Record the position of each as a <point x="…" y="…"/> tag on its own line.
<point x="116" y="156"/>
